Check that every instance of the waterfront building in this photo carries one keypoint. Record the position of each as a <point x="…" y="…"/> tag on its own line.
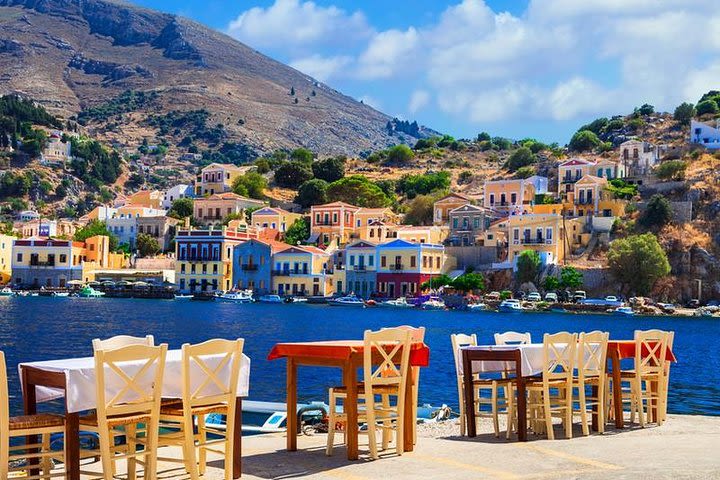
<point x="217" y="178"/>
<point x="543" y="233"/>
<point x="332" y="221"/>
<point x="64" y="228"/>
<point x="205" y="257"/>
<point x="123" y="222"/>
<point x="442" y="207"/>
<point x="274" y="217"/>
<point x="28" y="215"/>
<point x="253" y="264"/>
<point x="467" y="222"/>
<point x="704" y="134"/>
<point x="379" y="232"/>
<point x="360" y="269"/>
<point x="214" y="209"/>
<point x="506" y="197"/>
<point x="302" y="270"/>
<point x="6" y="246"/>
<point x="404" y="266"/>
<point x="175" y="193"/>
<point x="161" y="228"/>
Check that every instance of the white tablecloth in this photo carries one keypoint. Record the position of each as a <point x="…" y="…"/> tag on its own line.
<point x="80" y="379"/>
<point x="531" y="359"/>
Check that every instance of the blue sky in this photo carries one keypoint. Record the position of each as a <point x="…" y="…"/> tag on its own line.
<point x="516" y="68"/>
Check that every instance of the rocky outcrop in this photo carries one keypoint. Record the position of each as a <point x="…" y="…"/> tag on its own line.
<point x="175" y="46"/>
<point x="111" y="71"/>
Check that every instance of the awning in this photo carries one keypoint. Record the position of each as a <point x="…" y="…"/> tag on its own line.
<point x="313" y="238"/>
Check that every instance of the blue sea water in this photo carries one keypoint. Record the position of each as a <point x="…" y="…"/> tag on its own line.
<point x="43" y="328"/>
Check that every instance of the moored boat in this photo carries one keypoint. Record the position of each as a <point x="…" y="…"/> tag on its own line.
<point x="295" y="300"/>
<point x="64" y="294"/>
<point x="270" y="299"/>
<point x="89" y="292"/>
<point x="346" y="301"/>
<point x="180" y="296"/>
<point x="6" y="292"/>
<point x="433" y="303"/>
<point x="511" y="305"/>
<point x="624" y="311"/>
<point x="397" y="303"/>
<point x="239" y="296"/>
<point x="477" y="307"/>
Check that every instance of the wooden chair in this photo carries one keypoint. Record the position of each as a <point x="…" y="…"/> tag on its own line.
<point x="497" y="405"/>
<point x="591" y="372"/>
<point x="511" y="338"/>
<point x="128" y="388"/>
<point x="559" y="351"/>
<point x="210" y="372"/>
<point x="120" y="341"/>
<point x="670" y="342"/>
<point x="43" y="425"/>
<point x="387" y="378"/>
<point x="647" y="379"/>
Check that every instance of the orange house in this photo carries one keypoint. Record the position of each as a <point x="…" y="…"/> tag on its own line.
<point x="333" y="221"/>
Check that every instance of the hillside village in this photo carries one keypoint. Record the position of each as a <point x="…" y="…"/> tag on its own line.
<point x="629" y="197"/>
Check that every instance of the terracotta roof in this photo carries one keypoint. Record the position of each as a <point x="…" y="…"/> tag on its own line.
<point x="225" y="166"/>
<point x="336" y="204"/>
<point x="275" y="246"/>
<point x="373" y="210"/>
<point x="576" y="161"/>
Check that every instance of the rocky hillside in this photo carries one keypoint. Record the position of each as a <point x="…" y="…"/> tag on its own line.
<point x="77" y="56"/>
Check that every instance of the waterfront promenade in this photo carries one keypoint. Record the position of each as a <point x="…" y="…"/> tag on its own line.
<point x="685" y="447"/>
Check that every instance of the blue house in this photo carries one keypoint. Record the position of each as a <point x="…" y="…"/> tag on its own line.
<point x="252" y="264"/>
<point x="361" y="268"/>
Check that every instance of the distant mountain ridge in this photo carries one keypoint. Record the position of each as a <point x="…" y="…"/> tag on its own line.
<point x="74" y="54"/>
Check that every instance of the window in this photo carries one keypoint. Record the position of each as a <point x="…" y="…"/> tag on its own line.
<point x="503" y="200"/>
<point x="548" y="234"/>
<point x="19" y="257"/>
<point x="383" y="260"/>
<point x="492" y="199"/>
<point x="182" y="268"/>
<point x="455" y="222"/>
<point x="335" y="218"/>
<point x="204" y="268"/>
<point x="215" y="268"/>
<point x="424" y="261"/>
<point x="352" y="260"/>
<point x="63" y="258"/>
<point x="371" y="260"/>
<point x="412" y="261"/>
<point x="317" y="218"/>
<point x="476" y="222"/>
<point x="513" y="198"/>
<point x="516" y="234"/>
<point x="437" y="262"/>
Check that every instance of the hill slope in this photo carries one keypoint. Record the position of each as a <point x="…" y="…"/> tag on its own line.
<point x="74" y="54"/>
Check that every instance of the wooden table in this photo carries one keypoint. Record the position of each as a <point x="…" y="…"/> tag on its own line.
<point x="348" y="356"/>
<point x="32" y="377"/>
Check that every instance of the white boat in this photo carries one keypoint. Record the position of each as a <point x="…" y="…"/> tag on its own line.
<point x="397" y="303"/>
<point x="6" y="292"/>
<point x="240" y="296"/>
<point x="477" y="307"/>
<point x="433" y="303"/>
<point x="295" y="300"/>
<point x="64" y="294"/>
<point x="346" y="301"/>
<point x="180" y="296"/>
<point x="270" y="299"/>
<point x="511" y="305"/>
<point x="624" y="311"/>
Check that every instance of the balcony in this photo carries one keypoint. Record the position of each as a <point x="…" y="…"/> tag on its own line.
<point x="360" y="268"/>
<point x="396" y="266"/>
<point x="533" y="241"/>
<point x="567" y="179"/>
<point x="289" y="272"/>
<point x="199" y="258"/>
<point x="249" y="267"/>
<point x="36" y="263"/>
<point x="584" y="201"/>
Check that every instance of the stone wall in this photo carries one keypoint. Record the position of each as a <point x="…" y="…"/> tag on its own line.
<point x="473" y="255"/>
<point x="682" y="211"/>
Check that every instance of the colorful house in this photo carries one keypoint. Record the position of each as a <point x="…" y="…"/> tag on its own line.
<point x="591" y="198"/>
<point x="361" y="268"/>
<point x="175" y="193"/>
<point x="570" y="171"/>
<point x="467" y="222"/>
<point x="161" y="228"/>
<point x="6" y="246"/>
<point x="217" y="178"/>
<point x="275" y="218"/>
<point x="366" y="217"/>
<point x="442" y="207"/>
<point x="252" y="264"/>
<point x="434" y="234"/>
<point x="205" y="257"/>
<point x="542" y="233"/>
<point x="404" y="266"/>
<point x="332" y="221"/>
<point x="639" y="157"/>
<point x="509" y="196"/>
<point x="212" y="210"/>
<point x="704" y="134"/>
<point x="302" y="270"/>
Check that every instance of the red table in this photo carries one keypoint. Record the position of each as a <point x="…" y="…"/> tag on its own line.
<point x="347" y="355"/>
<point x="617" y="350"/>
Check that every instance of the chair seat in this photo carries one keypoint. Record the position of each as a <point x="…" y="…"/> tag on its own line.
<point x="176" y="409"/>
<point x="42" y="420"/>
<point x="589" y="381"/>
<point x="535" y="382"/>
<point x="115" y="421"/>
<point x="380" y="389"/>
<point x="632" y="374"/>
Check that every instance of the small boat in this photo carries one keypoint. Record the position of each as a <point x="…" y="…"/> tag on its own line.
<point x="433" y="303"/>
<point x="511" y="305"/>
<point x="295" y="300"/>
<point x="624" y="311"/>
<point x="22" y="293"/>
<point x="65" y="294"/>
<point x="270" y="299"/>
<point x="239" y="296"/>
<point x="180" y="296"/>
<point x="346" y="301"/>
<point x="397" y="303"/>
<point x="477" y="307"/>
<point x="88" y="292"/>
<point x="271" y="417"/>
<point x="6" y="292"/>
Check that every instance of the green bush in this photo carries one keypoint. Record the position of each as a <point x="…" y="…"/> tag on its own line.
<point x="521" y="157"/>
<point x="583" y="141"/>
<point x="707" y="107"/>
<point x="671" y="170"/>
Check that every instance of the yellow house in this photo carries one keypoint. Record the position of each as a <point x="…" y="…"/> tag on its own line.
<point x="366" y="217"/>
<point x="442" y="207"/>
<point x="378" y="231"/>
<point x="509" y="196"/>
<point x="97" y="250"/>
<point x="212" y="210"/>
<point x="543" y="233"/>
<point x="6" y="246"/>
<point x="146" y="198"/>
<point x="217" y="178"/>
<point x="275" y="218"/>
<point x="590" y="197"/>
<point x="433" y="234"/>
<point x="302" y="270"/>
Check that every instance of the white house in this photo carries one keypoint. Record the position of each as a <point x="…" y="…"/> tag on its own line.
<point x="705" y="135"/>
<point x="176" y="192"/>
<point x="27" y="215"/>
<point x="639" y="157"/>
<point x="56" y="152"/>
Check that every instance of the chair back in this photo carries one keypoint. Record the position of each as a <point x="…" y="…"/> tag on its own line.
<point x="129" y="380"/>
<point x="460" y="340"/>
<point x="512" y="338"/>
<point x="120" y="341"/>
<point x="670" y="342"/>
<point x="392" y="348"/>
<point x="650" y="351"/>
<point x="559" y="356"/>
<point x="4" y="404"/>
<point x="210" y="372"/>
<point x="592" y="354"/>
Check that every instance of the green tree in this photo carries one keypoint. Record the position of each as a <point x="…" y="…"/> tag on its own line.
<point x="329" y="169"/>
<point x="684" y="113"/>
<point x="357" y="190"/>
<point x="570" y="277"/>
<point x="671" y="170"/>
<point x="645" y="109"/>
<point x="583" y="141"/>
<point x="528" y="266"/>
<point x="412" y="185"/>
<point x="551" y="283"/>
<point x="292" y="174"/>
<point x="525" y="172"/>
<point x="302" y="155"/>
<point x="437" y="282"/>
<point x="251" y="184"/>
<point x="637" y="262"/>
<point x="17" y="204"/>
<point x="147" y="246"/>
<point x="658" y="212"/>
<point x="399" y="155"/>
<point x="468" y="282"/>
<point x="181" y="208"/>
<point x="262" y="165"/>
<point x="312" y="192"/>
<point x="706" y="107"/>
<point x="298" y="232"/>
<point x="93" y="228"/>
<point x="420" y="210"/>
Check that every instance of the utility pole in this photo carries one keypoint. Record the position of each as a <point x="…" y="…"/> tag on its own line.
<point x="699" y="288"/>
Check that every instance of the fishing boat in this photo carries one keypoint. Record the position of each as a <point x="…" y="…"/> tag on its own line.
<point x="238" y="296"/>
<point x="346" y="301"/>
<point x="89" y="292"/>
<point x="397" y="303"/>
<point x="180" y="296"/>
<point x="270" y="299"/>
<point x="271" y="417"/>
<point x="433" y="303"/>
<point x="624" y="311"/>
<point x="477" y="307"/>
<point x="295" y="300"/>
<point x="511" y="305"/>
<point x="6" y="292"/>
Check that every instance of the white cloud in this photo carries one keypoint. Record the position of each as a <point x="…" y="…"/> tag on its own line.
<point x="321" y="68"/>
<point x="387" y="53"/>
<point x="418" y="100"/>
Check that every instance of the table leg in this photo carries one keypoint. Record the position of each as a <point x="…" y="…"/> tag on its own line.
<point x="596" y="405"/>
<point x="617" y="388"/>
<point x="30" y="408"/>
<point x="351" y="410"/>
<point x="72" y="446"/>
<point x="521" y="399"/>
<point x="468" y="394"/>
<point x="291" y="405"/>
<point x="237" y="441"/>
<point x="409" y="422"/>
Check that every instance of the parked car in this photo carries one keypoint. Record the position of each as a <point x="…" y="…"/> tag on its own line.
<point x="551" y="297"/>
<point x="611" y="298"/>
<point x="694" y="303"/>
<point x="533" y="297"/>
<point x="666" y="307"/>
<point x="579" y="296"/>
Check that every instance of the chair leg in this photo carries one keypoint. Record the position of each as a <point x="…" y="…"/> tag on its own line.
<point x="494" y="407"/>
<point x="510" y="401"/>
<point x="4" y="454"/>
<point x="331" y="423"/>
<point x="202" y="440"/>
<point x="189" y="440"/>
<point x="583" y="410"/>
<point x="569" y="412"/>
<point x="639" y="401"/>
<point x="372" y="438"/>
<point x="386" y="424"/>
<point x="548" y="415"/>
<point x="601" y="406"/>
<point x="106" y="455"/>
<point x="130" y="435"/>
